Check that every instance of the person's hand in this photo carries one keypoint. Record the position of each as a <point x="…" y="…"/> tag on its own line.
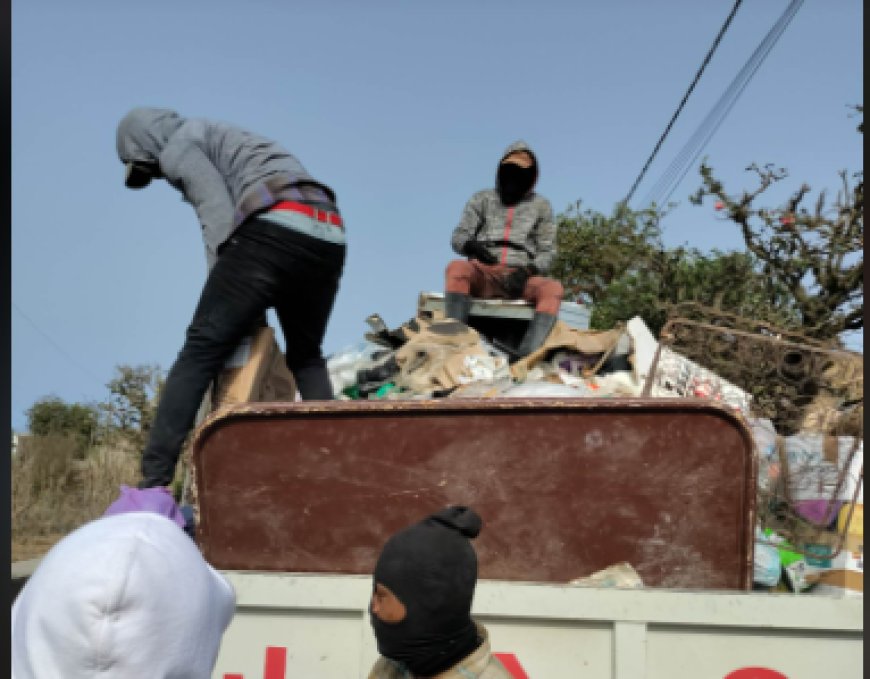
<point x="516" y="280"/>
<point x="477" y="250"/>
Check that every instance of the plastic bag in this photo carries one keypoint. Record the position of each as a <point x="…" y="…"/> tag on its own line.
<point x="816" y="462"/>
<point x="483" y="389"/>
<point x="679" y="376"/>
<point x="344" y="365"/>
<point x="764" y="436"/>
<point x="621" y="575"/>
<point x="575" y="363"/>
<point x="494" y="351"/>
<point x="767" y="565"/>
<point x="484" y="369"/>
<point x="619" y="383"/>
<point x="546" y="390"/>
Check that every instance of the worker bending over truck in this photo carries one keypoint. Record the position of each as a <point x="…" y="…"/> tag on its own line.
<point x="424" y="584"/>
<point x="508" y="235"/>
<point x="273" y="237"/>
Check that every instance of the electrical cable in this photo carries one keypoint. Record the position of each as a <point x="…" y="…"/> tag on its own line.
<point x="57" y="346"/>
<point x="676" y="114"/>
<point x="715" y="128"/>
<point x="679" y="161"/>
<point x="679" y="167"/>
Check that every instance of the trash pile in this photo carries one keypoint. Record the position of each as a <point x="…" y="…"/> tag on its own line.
<point x="435" y="357"/>
<point x="621" y="575"/>
<point x="812" y="481"/>
<point x="814" y="476"/>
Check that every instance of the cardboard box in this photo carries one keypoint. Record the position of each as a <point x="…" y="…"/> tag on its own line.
<point x="851" y="519"/>
<point x="845" y="575"/>
<point x="255" y="372"/>
<point x="847" y="581"/>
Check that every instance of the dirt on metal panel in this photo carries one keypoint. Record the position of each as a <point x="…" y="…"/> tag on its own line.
<point x="565" y="487"/>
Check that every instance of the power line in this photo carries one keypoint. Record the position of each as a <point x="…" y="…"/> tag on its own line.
<point x="684" y="100"/>
<point x="666" y="185"/>
<point x="678" y="168"/>
<point x="57" y="347"/>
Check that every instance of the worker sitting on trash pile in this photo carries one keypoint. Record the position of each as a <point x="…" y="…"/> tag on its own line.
<point x="424" y="583"/>
<point x="508" y="235"/>
<point x="270" y="231"/>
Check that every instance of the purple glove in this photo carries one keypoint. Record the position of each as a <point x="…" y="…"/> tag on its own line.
<point x="158" y="500"/>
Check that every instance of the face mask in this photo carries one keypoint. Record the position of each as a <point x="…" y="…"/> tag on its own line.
<point x="432" y="569"/>
<point x="139" y="174"/>
<point x="423" y="645"/>
<point x="514" y="182"/>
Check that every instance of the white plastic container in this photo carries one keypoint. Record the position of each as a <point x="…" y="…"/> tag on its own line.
<point x="575" y="315"/>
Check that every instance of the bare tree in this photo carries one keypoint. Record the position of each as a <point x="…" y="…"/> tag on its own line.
<point x="815" y="252"/>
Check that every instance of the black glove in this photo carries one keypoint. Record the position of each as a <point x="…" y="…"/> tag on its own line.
<point x="515" y="282"/>
<point x="477" y="250"/>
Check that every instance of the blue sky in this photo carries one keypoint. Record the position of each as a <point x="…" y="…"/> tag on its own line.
<point x="404" y="109"/>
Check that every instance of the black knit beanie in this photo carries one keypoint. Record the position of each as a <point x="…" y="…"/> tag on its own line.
<point x="432" y="568"/>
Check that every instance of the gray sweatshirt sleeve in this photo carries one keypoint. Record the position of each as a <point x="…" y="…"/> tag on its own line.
<point x="545" y="239"/>
<point x="472" y="218"/>
<point x="186" y="165"/>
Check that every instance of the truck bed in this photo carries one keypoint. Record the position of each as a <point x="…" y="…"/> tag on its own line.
<point x="316" y="626"/>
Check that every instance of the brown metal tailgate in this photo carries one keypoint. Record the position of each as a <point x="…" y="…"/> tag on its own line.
<point x="565" y="487"/>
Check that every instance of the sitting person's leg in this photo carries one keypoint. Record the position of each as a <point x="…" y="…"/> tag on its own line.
<point x="546" y="294"/>
<point x="459" y="275"/>
<point x="469" y="278"/>
<point x="457" y="290"/>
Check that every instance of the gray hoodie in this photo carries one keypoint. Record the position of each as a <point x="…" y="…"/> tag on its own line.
<point x="519" y="235"/>
<point x="226" y="173"/>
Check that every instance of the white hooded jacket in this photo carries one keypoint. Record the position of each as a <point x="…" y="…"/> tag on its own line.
<point x="123" y="597"/>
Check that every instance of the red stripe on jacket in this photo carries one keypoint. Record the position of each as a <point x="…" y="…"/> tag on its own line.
<point x="507" y="233"/>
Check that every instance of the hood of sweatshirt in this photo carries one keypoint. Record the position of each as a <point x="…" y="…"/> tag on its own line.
<point x="143" y="133"/>
<point x="123" y="596"/>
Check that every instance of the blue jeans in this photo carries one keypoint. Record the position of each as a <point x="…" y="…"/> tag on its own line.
<point x="261" y="266"/>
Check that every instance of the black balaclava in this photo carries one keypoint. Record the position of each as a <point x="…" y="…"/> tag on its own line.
<point x="513" y="182"/>
<point x="432" y="568"/>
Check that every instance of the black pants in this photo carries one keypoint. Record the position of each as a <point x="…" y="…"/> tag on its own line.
<point x="261" y="266"/>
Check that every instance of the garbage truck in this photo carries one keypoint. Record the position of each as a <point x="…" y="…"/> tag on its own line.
<point x="295" y="500"/>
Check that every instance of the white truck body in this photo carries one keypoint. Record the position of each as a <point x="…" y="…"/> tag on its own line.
<point x="554" y="631"/>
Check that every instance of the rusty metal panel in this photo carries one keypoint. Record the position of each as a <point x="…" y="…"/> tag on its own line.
<point x="565" y="487"/>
